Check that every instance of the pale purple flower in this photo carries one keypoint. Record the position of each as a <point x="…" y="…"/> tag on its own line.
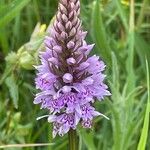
<point x="69" y="81"/>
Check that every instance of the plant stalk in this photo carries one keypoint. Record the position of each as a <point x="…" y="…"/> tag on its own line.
<point x="73" y="141"/>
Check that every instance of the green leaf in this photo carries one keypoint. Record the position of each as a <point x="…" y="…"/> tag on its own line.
<point x="122" y="14"/>
<point x="13" y="89"/>
<point x="144" y="134"/>
<point x="131" y="78"/>
<point x="115" y="74"/>
<point x="4" y="40"/>
<point x="5" y="74"/>
<point x="143" y="49"/>
<point x="116" y="125"/>
<point x="99" y="33"/>
<point x="11" y="64"/>
<point x="88" y="139"/>
<point x="7" y="14"/>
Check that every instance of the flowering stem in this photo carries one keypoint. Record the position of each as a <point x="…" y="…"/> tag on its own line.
<point x="73" y="141"/>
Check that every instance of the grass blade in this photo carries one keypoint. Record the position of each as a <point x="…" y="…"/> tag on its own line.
<point x="142" y="48"/>
<point x="88" y="139"/>
<point x="25" y="145"/>
<point x="12" y="10"/>
<point x="99" y="33"/>
<point x="141" y="15"/>
<point x="122" y="14"/>
<point x="144" y="134"/>
<point x="131" y="44"/>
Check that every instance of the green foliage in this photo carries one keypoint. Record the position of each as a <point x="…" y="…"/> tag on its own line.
<point x="144" y="134"/>
<point x="88" y="139"/>
<point x="8" y="12"/>
<point x="120" y="31"/>
<point x="99" y="33"/>
<point x="13" y="89"/>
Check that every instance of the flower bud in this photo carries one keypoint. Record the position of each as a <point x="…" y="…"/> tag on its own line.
<point x="57" y="48"/>
<point x="11" y="58"/>
<point x="26" y="60"/>
<point x="71" y="61"/>
<point x="67" y="78"/>
<point x="70" y="44"/>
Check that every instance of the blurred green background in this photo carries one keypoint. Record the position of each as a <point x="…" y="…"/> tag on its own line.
<point x="121" y="31"/>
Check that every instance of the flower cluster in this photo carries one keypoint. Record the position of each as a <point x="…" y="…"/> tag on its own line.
<point x="69" y="80"/>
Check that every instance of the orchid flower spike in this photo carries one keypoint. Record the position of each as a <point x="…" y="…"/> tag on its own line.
<point x="68" y="79"/>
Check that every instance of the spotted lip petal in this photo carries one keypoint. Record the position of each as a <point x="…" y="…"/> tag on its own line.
<point x="69" y="80"/>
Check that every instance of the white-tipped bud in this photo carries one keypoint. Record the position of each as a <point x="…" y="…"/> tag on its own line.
<point x="75" y="20"/>
<point x="62" y="8"/>
<point x="71" y="61"/>
<point x="70" y="44"/>
<point x="68" y="25"/>
<point x="59" y="15"/>
<point x="78" y="12"/>
<point x="72" y="5"/>
<point x="71" y="14"/>
<point x="64" y="35"/>
<point x="64" y="17"/>
<point x="67" y="78"/>
<point x="78" y="6"/>
<point x="60" y="26"/>
<point x="64" y="2"/>
<point x="73" y="32"/>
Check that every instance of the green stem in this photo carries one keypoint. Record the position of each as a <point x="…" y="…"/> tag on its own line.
<point x="73" y="141"/>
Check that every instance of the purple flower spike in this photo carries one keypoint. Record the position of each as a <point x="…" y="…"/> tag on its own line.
<point x="69" y="81"/>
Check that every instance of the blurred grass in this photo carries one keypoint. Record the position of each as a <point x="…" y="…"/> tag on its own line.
<point x="144" y="134"/>
<point x="121" y="31"/>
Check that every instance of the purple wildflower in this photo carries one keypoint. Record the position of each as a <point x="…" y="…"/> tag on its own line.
<point x="68" y="79"/>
